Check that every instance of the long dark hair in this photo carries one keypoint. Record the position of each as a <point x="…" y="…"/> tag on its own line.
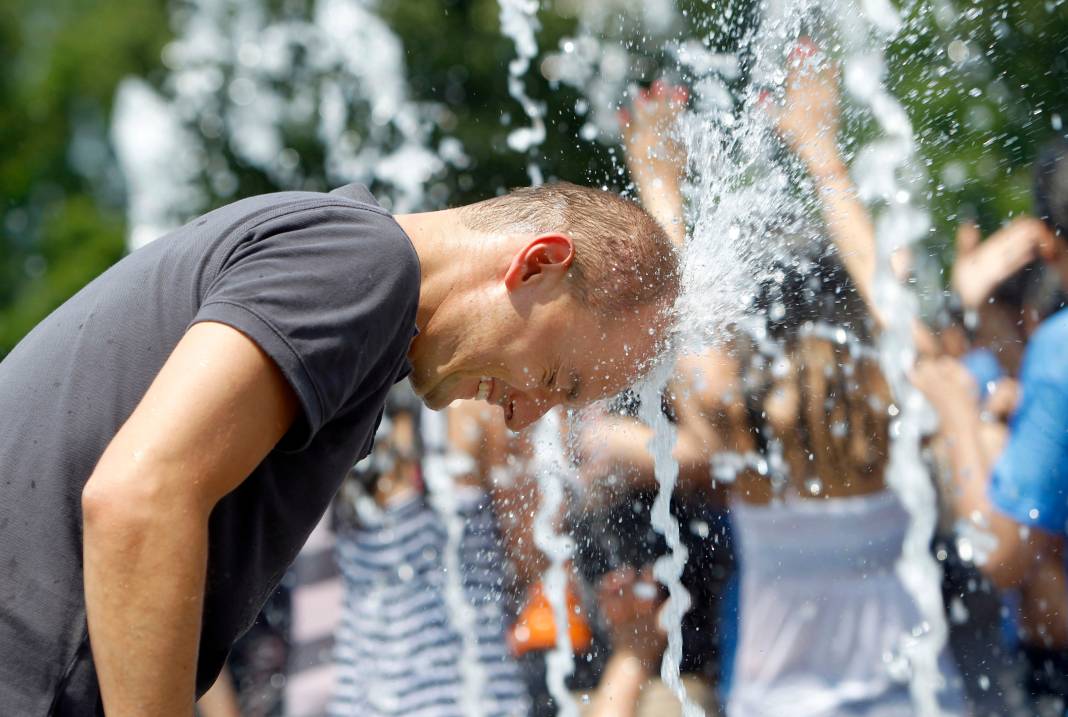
<point x="814" y="333"/>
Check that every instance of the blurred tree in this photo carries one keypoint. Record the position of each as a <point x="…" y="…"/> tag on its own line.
<point x="60" y="212"/>
<point x="986" y="83"/>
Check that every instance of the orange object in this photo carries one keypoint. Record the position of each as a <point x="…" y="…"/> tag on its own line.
<point x="536" y="629"/>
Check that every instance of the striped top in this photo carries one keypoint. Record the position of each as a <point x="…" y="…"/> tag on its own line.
<point x="316" y="592"/>
<point x="397" y="652"/>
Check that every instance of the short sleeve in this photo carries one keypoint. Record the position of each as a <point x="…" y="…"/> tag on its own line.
<point x="1030" y="479"/>
<point x="330" y="294"/>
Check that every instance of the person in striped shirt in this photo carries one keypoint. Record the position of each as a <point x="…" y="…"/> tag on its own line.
<point x="401" y="647"/>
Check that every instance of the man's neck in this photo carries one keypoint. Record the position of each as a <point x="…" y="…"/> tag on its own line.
<point x="428" y="232"/>
<point x="448" y="258"/>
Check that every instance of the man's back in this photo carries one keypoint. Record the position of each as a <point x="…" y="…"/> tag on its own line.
<point x="326" y="285"/>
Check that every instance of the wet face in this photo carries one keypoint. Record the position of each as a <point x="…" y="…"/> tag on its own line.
<point x="555" y="353"/>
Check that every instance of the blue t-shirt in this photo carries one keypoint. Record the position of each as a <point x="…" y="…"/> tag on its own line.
<point x="1030" y="481"/>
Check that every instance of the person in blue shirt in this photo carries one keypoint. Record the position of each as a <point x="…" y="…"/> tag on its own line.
<point x="1016" y="489"/>
<point x="1029" y="481"/>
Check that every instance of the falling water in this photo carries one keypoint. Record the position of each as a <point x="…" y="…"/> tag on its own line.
<point x="668" y="568"/>
<point x="886" y="175"/>
<point x="739" y="192"/>
<point x="519" y="21"/>
<point x="440" y="467"/>
<point x="601" y="59"/>
<point x="550" y="467"/>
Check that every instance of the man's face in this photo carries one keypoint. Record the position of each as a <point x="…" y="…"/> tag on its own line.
<point x="555" y="353"/>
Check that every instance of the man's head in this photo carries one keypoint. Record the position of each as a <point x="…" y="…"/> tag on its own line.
<point x="1051" y="187"/>
<point x="558" y="294"/>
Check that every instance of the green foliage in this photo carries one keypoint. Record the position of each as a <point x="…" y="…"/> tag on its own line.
<point x="985" y="85"/>
<point x="60" y="216"/>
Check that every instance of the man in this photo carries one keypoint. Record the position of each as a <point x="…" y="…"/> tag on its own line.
<point x="173" y="432"/>
<point x="1017" y="490"/>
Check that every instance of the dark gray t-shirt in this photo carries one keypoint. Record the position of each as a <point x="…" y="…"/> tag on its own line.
<point x="326" y="284"/>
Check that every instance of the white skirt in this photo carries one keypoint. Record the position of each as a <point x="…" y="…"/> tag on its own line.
<point x="823" y="612"/>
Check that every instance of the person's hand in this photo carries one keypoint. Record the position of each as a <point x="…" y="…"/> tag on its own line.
<point x="651" y="150"/>
<point x="630" y="603"/>
<point x="1002" y="401"/>
<point x="948" y="385"/>
<point x="809" y="117"/>
<point x="980" y="267"/>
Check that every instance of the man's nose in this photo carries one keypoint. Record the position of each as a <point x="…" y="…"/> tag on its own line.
<point x="529" y="409"/>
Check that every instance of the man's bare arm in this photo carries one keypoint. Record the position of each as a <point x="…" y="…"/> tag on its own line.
<point x="218" y="405"/>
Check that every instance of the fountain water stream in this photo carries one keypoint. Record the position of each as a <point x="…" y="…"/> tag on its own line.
<point x="519" y="21"/>
<point x="550" y="467"/>
<point x="739" y="188"/>
<point x="667" y="569"/>
<point x="886" y="178"/>
<point x="247" y="83"/>
<point x="441" y="465"/>
<point x="886" y="175"/>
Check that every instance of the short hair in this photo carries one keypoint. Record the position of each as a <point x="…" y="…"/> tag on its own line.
<point x="1051" y="186"/>
<point x="623" y="258"/>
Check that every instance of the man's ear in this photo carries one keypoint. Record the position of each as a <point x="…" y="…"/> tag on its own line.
<point x="547" y="257"/>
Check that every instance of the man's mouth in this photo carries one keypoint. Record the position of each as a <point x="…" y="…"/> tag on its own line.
<point x="485" y="385"/>
<point x="485" y="391"/>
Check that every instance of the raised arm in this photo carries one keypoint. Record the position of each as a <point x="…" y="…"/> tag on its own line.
<point x="980" y="267"/>
<point x="217" y="407"/>
<point x="809" y="122"/>
<point x="654" y="158"/>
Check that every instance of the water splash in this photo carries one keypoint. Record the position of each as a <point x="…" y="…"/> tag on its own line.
<point x="519" y="21"/>
<point x="441" y="465"/>
<point x="604" y="58"/>
<point x="739" y="191"/>
<point x="551" y="469"/>
<point x="153" y="150"/>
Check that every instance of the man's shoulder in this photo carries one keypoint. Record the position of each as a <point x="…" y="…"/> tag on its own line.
<point x="262" y="208"/>
<point x="380" y="241"/>
<point x="1045" y="358"/>
<point x="1053" y="331"/>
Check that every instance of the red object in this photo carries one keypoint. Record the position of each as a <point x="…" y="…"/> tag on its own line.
<point x="535" y="629"/>
<point x="804" y="48"/>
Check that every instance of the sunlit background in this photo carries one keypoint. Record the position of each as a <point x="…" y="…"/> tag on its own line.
<point x="984" y="83"/>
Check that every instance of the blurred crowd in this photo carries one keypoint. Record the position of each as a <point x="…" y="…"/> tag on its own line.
<point x="793" y="534"/>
